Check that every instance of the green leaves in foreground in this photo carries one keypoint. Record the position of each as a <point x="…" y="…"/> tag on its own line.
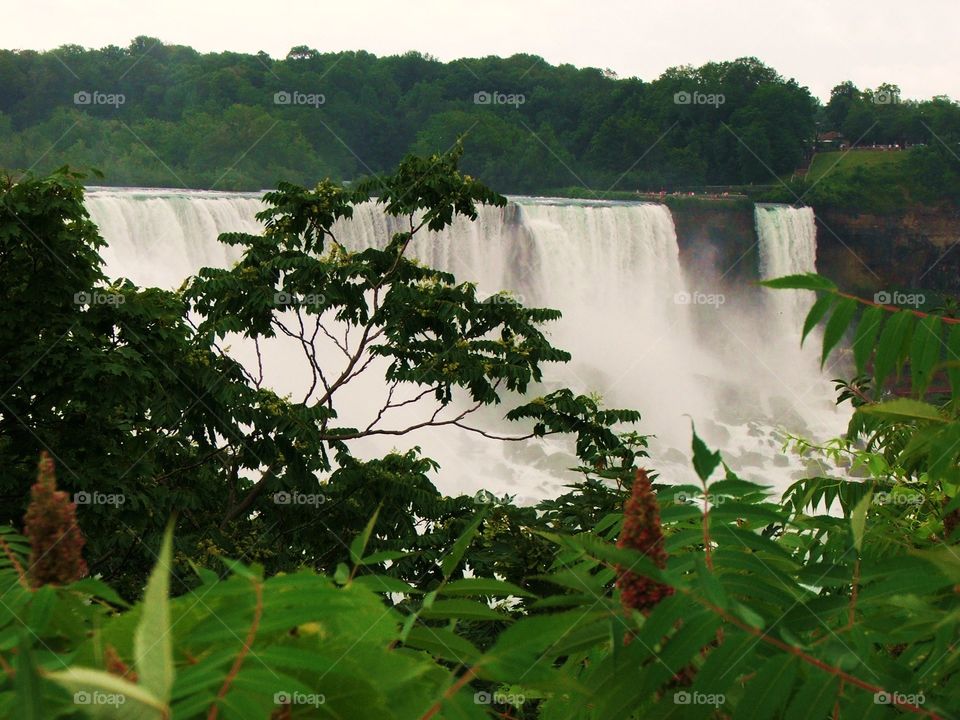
<point x="110" y="696"/>
<point x="885" y="335"/>
<point x="919" y="433"/>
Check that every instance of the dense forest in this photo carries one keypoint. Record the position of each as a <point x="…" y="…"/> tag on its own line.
<point x="166" y="115"/>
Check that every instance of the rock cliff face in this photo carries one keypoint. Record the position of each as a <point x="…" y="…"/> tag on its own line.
<point x="918" y="249"/>
<point x="718" y="241"/>
<point x="915" y="250"/>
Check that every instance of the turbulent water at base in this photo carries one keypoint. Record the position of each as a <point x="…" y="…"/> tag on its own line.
<point x="642" y="333"/>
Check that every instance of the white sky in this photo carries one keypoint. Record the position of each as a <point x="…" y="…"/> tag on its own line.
<point x="819" y="43"/>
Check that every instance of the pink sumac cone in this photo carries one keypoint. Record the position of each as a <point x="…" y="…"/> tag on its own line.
<point x="56" y="543"/>
<point x="642" y="531"/>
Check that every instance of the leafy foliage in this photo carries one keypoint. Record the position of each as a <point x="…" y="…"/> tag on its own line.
<point x="772" y="611"/>
<point x="151" y="417"/>
<point x="240" y="121"/>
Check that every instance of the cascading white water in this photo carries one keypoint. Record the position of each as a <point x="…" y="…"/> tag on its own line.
<point x="642" y="334"/>
<point x="788" y="246"/>
<point x="158" y="239"/>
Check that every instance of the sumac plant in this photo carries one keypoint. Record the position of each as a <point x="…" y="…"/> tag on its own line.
<point x="766" y="611"/>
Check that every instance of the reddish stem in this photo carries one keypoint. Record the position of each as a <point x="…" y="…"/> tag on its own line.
<point x="451" y="691"/>
<point x="244" y="651"/>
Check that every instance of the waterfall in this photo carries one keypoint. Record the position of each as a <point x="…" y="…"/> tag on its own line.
<point x="158" y="239"/>
<point x="788" y="246"/>
<point x="642" y="334"/>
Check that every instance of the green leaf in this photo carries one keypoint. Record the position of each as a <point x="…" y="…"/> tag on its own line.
<point x="819" y="309"/>
<point x="953" y="356"/>
<point x="384" y="583"/>
<point x="460" y="610"/>
<point x="866" y="336"/>
<point x="118" y="697"/>
<point x="890" y="347"/>
<point x="382" y="556"/>
<point x="710" y="585"/>
<point x="805" y="281"/>
<point x="359" y="543"/>
<point x="726" y="663"/>
<point x="735" y="487"/>
<point x="836" y="326"/>
<point x="27" y="685"/>
<point x="482" y="586"/>
<point x="538" y="639"/>
<point x="858" y="520"/>
<point x="152" y="641"/>
<point x="704" y="461"/>
<point x="766" y="694"/>
<point x="443" y="644"/>
<point x="98" y="588"/>
<point x="453" y="558"/>
<point x="749" y="616"/>
<point x="904" y="409"/>
<point x="924" y="353"/>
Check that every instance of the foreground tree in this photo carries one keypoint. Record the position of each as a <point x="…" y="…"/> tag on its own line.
<point x="148" y="416"/>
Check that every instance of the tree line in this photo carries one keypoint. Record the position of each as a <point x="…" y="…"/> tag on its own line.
<point x="166" y="115"/>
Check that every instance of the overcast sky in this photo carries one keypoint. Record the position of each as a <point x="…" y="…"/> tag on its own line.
<point x="820" y="43"/>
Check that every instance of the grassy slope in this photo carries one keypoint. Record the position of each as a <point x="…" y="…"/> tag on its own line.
<point x="839" y="161"/>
